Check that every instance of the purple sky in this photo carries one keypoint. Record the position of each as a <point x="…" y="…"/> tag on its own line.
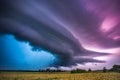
<point x="82" y="33"/>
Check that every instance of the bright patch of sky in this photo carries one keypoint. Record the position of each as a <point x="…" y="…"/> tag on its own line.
<point x="20" y="56"/>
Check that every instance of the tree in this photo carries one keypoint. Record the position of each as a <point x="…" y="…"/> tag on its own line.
<point x="116" y="68"/>
<point x="89" y="70"/>
<point x="48" y="70"/>
<point x="104" y="69"/>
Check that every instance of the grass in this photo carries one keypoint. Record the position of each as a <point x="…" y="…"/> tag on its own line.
<point x="58" y="76"/>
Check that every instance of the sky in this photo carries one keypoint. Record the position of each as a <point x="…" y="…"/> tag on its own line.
<point x="17" y="55"/>
<point x="67" y="34"/>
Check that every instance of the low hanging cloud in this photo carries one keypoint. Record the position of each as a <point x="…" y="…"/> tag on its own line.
<point x="41" y="24"/>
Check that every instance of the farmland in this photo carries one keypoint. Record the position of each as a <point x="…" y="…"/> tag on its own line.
<point x="58" y="76"/>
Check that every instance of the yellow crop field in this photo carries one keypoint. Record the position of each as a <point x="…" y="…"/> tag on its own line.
<point x="58" y="76"/>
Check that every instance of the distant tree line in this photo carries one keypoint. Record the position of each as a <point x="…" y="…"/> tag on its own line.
<point x="78" y="71"/>
<point x="115" y="68"/>
<point x="51" y="70"/>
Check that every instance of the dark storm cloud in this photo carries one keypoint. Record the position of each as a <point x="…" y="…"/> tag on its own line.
<point x="51" y="25"/>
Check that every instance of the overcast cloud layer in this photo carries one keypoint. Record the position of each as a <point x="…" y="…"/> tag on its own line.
<point x="66" y="28"/>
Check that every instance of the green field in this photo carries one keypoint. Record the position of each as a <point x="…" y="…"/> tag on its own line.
<point x="58" y="76"/>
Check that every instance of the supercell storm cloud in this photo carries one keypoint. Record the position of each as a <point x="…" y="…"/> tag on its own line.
<point x="73" y="30"/>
